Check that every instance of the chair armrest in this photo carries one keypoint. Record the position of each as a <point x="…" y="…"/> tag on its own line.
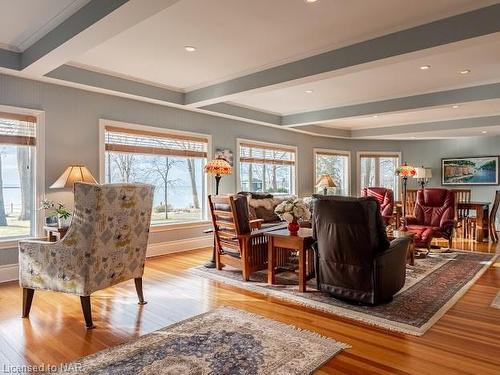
<point x="411" y="220"/>
<point x="397" y="245"/>
<point x="256" y="223"/>
<point x="394" y="256"/>
<point x="449" y="223"/>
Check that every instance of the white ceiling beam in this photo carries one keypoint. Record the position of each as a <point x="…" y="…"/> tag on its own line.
<point x="90" y="26"/>
<point x="428" y="128"/>
<point x="415" y="102"/>
<point x="468" y="25"/>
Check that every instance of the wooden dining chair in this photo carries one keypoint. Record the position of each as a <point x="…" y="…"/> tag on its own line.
<point x="238" y="241"/>
<point x="466" y="225"/>
<point x="493" y="216"/>
<point x="411" y="198"/>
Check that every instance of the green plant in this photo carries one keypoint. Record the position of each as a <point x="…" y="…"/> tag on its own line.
<point x="61" y="211"/>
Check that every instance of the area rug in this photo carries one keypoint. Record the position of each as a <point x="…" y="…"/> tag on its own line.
<point x="433" y="285"/>
<point x="222" y="341"/>
<point x="496" y="301"/>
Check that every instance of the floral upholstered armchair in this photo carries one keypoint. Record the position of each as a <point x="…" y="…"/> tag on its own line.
<point x="105" y="245"/>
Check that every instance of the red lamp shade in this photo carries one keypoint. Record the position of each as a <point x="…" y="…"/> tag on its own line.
<point x="218" y="167"/>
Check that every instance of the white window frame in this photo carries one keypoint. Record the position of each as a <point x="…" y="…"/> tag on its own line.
<point x="132" y="126"/>
<point x="333" y="153"/>
<point x="292" y="148"/>
<point x="359" y="154"/>
<point x="39" y="188"/>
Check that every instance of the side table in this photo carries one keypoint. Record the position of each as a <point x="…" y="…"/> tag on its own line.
<point x="283" y="239"/>
<point x="55" y="233"/>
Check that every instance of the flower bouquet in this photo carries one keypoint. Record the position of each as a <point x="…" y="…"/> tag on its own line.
<point x="293" y="210"/>
<point x="58" y="210"/>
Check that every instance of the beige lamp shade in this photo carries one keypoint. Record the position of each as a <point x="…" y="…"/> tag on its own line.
<point x="325" y="181"/>
<point x="72" y="174"/>
<point x="423" y="173"/>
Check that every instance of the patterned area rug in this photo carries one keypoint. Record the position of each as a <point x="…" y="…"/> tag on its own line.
<point x="432" y="286"/>
<point x="496" y="301"/>
<point x="222" y="341"/>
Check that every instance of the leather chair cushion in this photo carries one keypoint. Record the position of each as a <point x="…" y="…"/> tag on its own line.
<point x="423" y="234"/>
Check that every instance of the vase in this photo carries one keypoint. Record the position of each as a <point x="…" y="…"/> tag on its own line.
<point x="293" y="227"/>
<point x="62" y="222"/>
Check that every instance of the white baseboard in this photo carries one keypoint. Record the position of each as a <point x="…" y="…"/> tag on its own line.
<point x="10" y="272"/>
<point x="170" y="247"/>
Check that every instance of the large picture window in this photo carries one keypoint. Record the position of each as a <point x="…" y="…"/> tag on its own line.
<point x="378" y="169"/>
<point x="17" y="175"/>
<point x="171" y="161"/>
<point x="337" y="165"/>
<point x="266" y="167"/>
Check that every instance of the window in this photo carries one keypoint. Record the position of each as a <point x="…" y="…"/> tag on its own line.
<point x="17" y="175"/>
<point x="337" y="165"/>
<point x="378" y="169"/>
<point x="171" y="161"/>
<point x="266" y="168"/>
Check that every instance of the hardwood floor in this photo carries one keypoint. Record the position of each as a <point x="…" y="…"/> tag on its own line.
<point x="465" y="340"/>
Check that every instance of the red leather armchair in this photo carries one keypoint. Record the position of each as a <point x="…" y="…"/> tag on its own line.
<point x="385" y="198"/>
<point x="433" y="216"/>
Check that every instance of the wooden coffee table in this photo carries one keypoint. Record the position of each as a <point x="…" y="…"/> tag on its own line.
<point x="282" y="239"/>
<point x="411" y="249"/>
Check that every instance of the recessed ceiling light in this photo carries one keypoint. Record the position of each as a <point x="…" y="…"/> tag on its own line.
<point x="465" y="71"/>
<point x="190" y="48"/>
<point x="455" y="106"/>
<point x="413" y="137"/>
<point x="309" y="91"/>
<point x="425" y="67"/>
<point x="484" y="132"/>
<point x="310" y="1"/>
<point x="375" y="116"/>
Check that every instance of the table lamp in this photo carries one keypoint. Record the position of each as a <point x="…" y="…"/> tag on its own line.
<point x="218" y="167"/>
<point x="423" y="175"/>
<point x="404" y="172"/>
<point x="325" y="181"/>
<point x="72" y="174"/>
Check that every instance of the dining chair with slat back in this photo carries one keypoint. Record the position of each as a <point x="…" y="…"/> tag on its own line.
<point x="411" y="198"/>
<point x="465" y="223"/>
<point x="238" y="241"/>
<point x="493" y="216"/>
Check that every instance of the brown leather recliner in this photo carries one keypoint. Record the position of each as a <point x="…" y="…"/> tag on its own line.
<point x="353" y="258"/>
<point x="385" y="198"/>
<point x="433" y="216"/>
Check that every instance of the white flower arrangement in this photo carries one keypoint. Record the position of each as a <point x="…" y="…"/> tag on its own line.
<point x="293" y="210"/>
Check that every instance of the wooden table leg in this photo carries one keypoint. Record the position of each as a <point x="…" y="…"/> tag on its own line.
<point x="411" y="249"/>
<point x="271" y="262"/>
<point x="302" y="269"/>
<point x="479" y="224"/>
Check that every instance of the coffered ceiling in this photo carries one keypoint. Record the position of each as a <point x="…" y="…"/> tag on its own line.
<point x="332" y="68"/>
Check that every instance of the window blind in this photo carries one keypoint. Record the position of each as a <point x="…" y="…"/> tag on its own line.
<point x="17" y="129"/>
<point x="146" y="142"/>
<point x="256" y="153"/>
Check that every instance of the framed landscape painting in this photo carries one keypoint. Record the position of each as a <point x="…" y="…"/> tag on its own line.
<point x="470" y="171"/>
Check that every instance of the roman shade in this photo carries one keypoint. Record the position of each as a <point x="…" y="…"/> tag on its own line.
<point x="257" y="153"/>
<point x="154" y="143"/>
<point x="17" y="129"/>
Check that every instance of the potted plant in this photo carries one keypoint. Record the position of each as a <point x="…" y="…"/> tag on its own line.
<point x="293" y="210"/>
<point x="59" y="210"/>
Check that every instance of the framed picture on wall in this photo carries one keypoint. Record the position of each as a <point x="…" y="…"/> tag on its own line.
<point x="481" y="170"/>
